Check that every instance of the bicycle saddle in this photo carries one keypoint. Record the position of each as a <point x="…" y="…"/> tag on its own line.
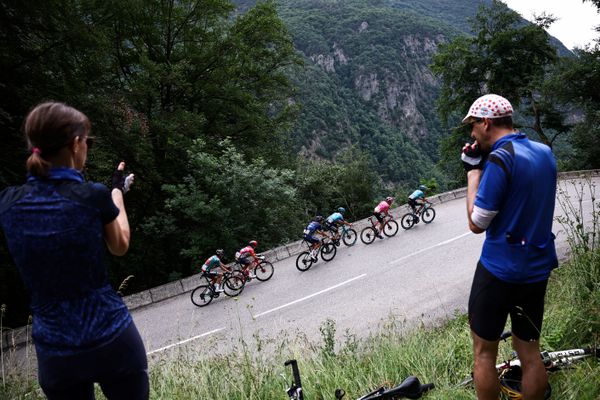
<point x="410" y="388"/>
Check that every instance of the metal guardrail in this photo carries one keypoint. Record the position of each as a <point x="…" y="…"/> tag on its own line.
<point x="18" y="336"/>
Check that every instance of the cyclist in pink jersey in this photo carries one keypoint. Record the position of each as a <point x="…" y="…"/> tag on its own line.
<point x="380" y="212"/>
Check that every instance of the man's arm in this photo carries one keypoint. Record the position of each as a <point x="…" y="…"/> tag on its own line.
<point x="473" y="178"/>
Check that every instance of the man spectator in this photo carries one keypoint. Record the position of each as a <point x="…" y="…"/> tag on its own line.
<point x="511" y="189"/>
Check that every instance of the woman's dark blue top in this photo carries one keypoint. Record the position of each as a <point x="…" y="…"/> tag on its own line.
<point x="54" y="228"/>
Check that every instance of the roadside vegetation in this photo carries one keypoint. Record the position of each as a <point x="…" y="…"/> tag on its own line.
<point x="440" y="354"/>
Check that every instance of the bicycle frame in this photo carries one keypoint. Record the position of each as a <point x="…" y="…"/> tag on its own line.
<point x="553" y="360"/>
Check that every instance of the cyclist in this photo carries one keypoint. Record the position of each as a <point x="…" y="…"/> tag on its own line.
<point x="417" y="198"/>
<point x="312" y="229"/>
<point x="211" y="268"/>
<point x="380" y="212"/>
<point x="246" y="257"/>
<point x="334" y="221"/>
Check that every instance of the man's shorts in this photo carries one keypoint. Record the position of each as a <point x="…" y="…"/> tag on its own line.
<point x="379" y="216"/>
<point x="210" y="272"/>
<point x="492" y="300"/>
<point x="412" y="203"/>
<point x="330" y="226"/>
<point x="311" y="239"/>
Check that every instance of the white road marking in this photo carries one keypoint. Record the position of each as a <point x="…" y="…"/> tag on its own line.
<point x="184" y="341"/>
<point x="309" y="296"/>
<point x="429" y="248"/>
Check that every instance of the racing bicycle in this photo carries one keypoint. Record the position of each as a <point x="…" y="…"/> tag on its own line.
<point x="262" y="269"/>
<point x="390" y="228"/>
<point x="410" y="388"/>
<point x="509" y="371"/>
<point x="307" y="258"/>
<point x="348" y="236"/>
<point x="424" y="212"/>
<point x="233" y="284"/>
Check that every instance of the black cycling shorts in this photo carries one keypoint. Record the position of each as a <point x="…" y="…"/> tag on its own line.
<point x="379" y="216"/>
<point x="331" y="227"/>
<point x="492" y="300"/>
<point x="311" y="239"/>
<point x="120" y="368"/>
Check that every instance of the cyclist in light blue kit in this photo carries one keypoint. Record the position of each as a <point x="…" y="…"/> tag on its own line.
<point x="417" y="198"/>
<point x="334" y="221"/>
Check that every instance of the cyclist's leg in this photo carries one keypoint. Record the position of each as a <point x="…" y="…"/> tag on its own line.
<point x="526" y="320"/>
<point x="488" y="312"/>
<point x="60" y="378"/>
<point x="535" y="378"/>
<point x="484" y="368"/>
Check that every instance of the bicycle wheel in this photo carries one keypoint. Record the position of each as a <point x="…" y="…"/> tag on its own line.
<point x="264" y="271"/>
<point x="304" y="261"/>
<point x="367" y="235"/>
<point x="407" y="221"/>
<point x="349" y="237"/>
<point x="390" y="228"/>
<point x="328" y="251"/>
<point x="234" y="285"/>
<point x="202" y="295"/>
<point x="428" y="215"/>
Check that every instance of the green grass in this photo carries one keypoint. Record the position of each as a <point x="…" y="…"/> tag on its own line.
<point x="435" y="354"/>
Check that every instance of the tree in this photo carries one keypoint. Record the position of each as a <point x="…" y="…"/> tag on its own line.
<point x="507" y="57"/>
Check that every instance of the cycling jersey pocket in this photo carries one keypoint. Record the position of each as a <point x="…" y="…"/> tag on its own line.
<point x="531" y="262"/>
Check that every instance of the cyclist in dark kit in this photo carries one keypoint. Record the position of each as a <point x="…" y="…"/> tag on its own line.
<point x="511" y="189"/>
<point x="58" y="228"/>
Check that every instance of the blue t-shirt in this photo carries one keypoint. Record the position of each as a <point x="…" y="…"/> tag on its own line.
<point x="54" y="228"/>
<point x="311" y="228"/>
<point x="519" y="181"/>
<point x="417" y="194"/>
<point x="335" y="217"/>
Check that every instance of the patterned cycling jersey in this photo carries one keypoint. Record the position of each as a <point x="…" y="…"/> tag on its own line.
<point x="417" y="194"/>
<point x="312" y="228"/>
<point x="211" y="263"/>
<point x="382" y="207"/>
<point x="247" y="252"/>
<point x="335" y="218"/>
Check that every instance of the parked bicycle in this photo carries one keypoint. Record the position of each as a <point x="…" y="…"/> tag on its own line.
<point x="233" y="285"/>
<point x="307" y="258"/>
<point x="510" y="373"/>
<point x="410" y="388"/>
<point x="390" y="228"/>
<point x="262" y="269"/>
<point x="424" y="212"/>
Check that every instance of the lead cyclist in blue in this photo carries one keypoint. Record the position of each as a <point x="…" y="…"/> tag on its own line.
<point x="417" y="198"/>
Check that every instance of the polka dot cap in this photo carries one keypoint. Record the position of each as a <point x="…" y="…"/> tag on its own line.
<point x="489" y="106"/>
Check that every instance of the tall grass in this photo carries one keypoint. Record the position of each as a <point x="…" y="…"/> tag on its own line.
<point x="439" y="354"/>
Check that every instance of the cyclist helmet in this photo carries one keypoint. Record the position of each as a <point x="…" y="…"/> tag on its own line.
<point x="319" y="218"/>
<point x="220" y="253"/>
<point x="253" y="243"/>
<point x="422" y="187"/>
<point x="341" y="210"/>
<point x="389" y="199"/>
<point x="510" y="383"/>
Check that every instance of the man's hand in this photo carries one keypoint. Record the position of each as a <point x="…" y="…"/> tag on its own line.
<point x="472" y="157"/>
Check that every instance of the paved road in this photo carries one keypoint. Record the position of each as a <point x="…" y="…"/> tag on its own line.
<point x="420" y="275"/>
<point x="423" y="274"/>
